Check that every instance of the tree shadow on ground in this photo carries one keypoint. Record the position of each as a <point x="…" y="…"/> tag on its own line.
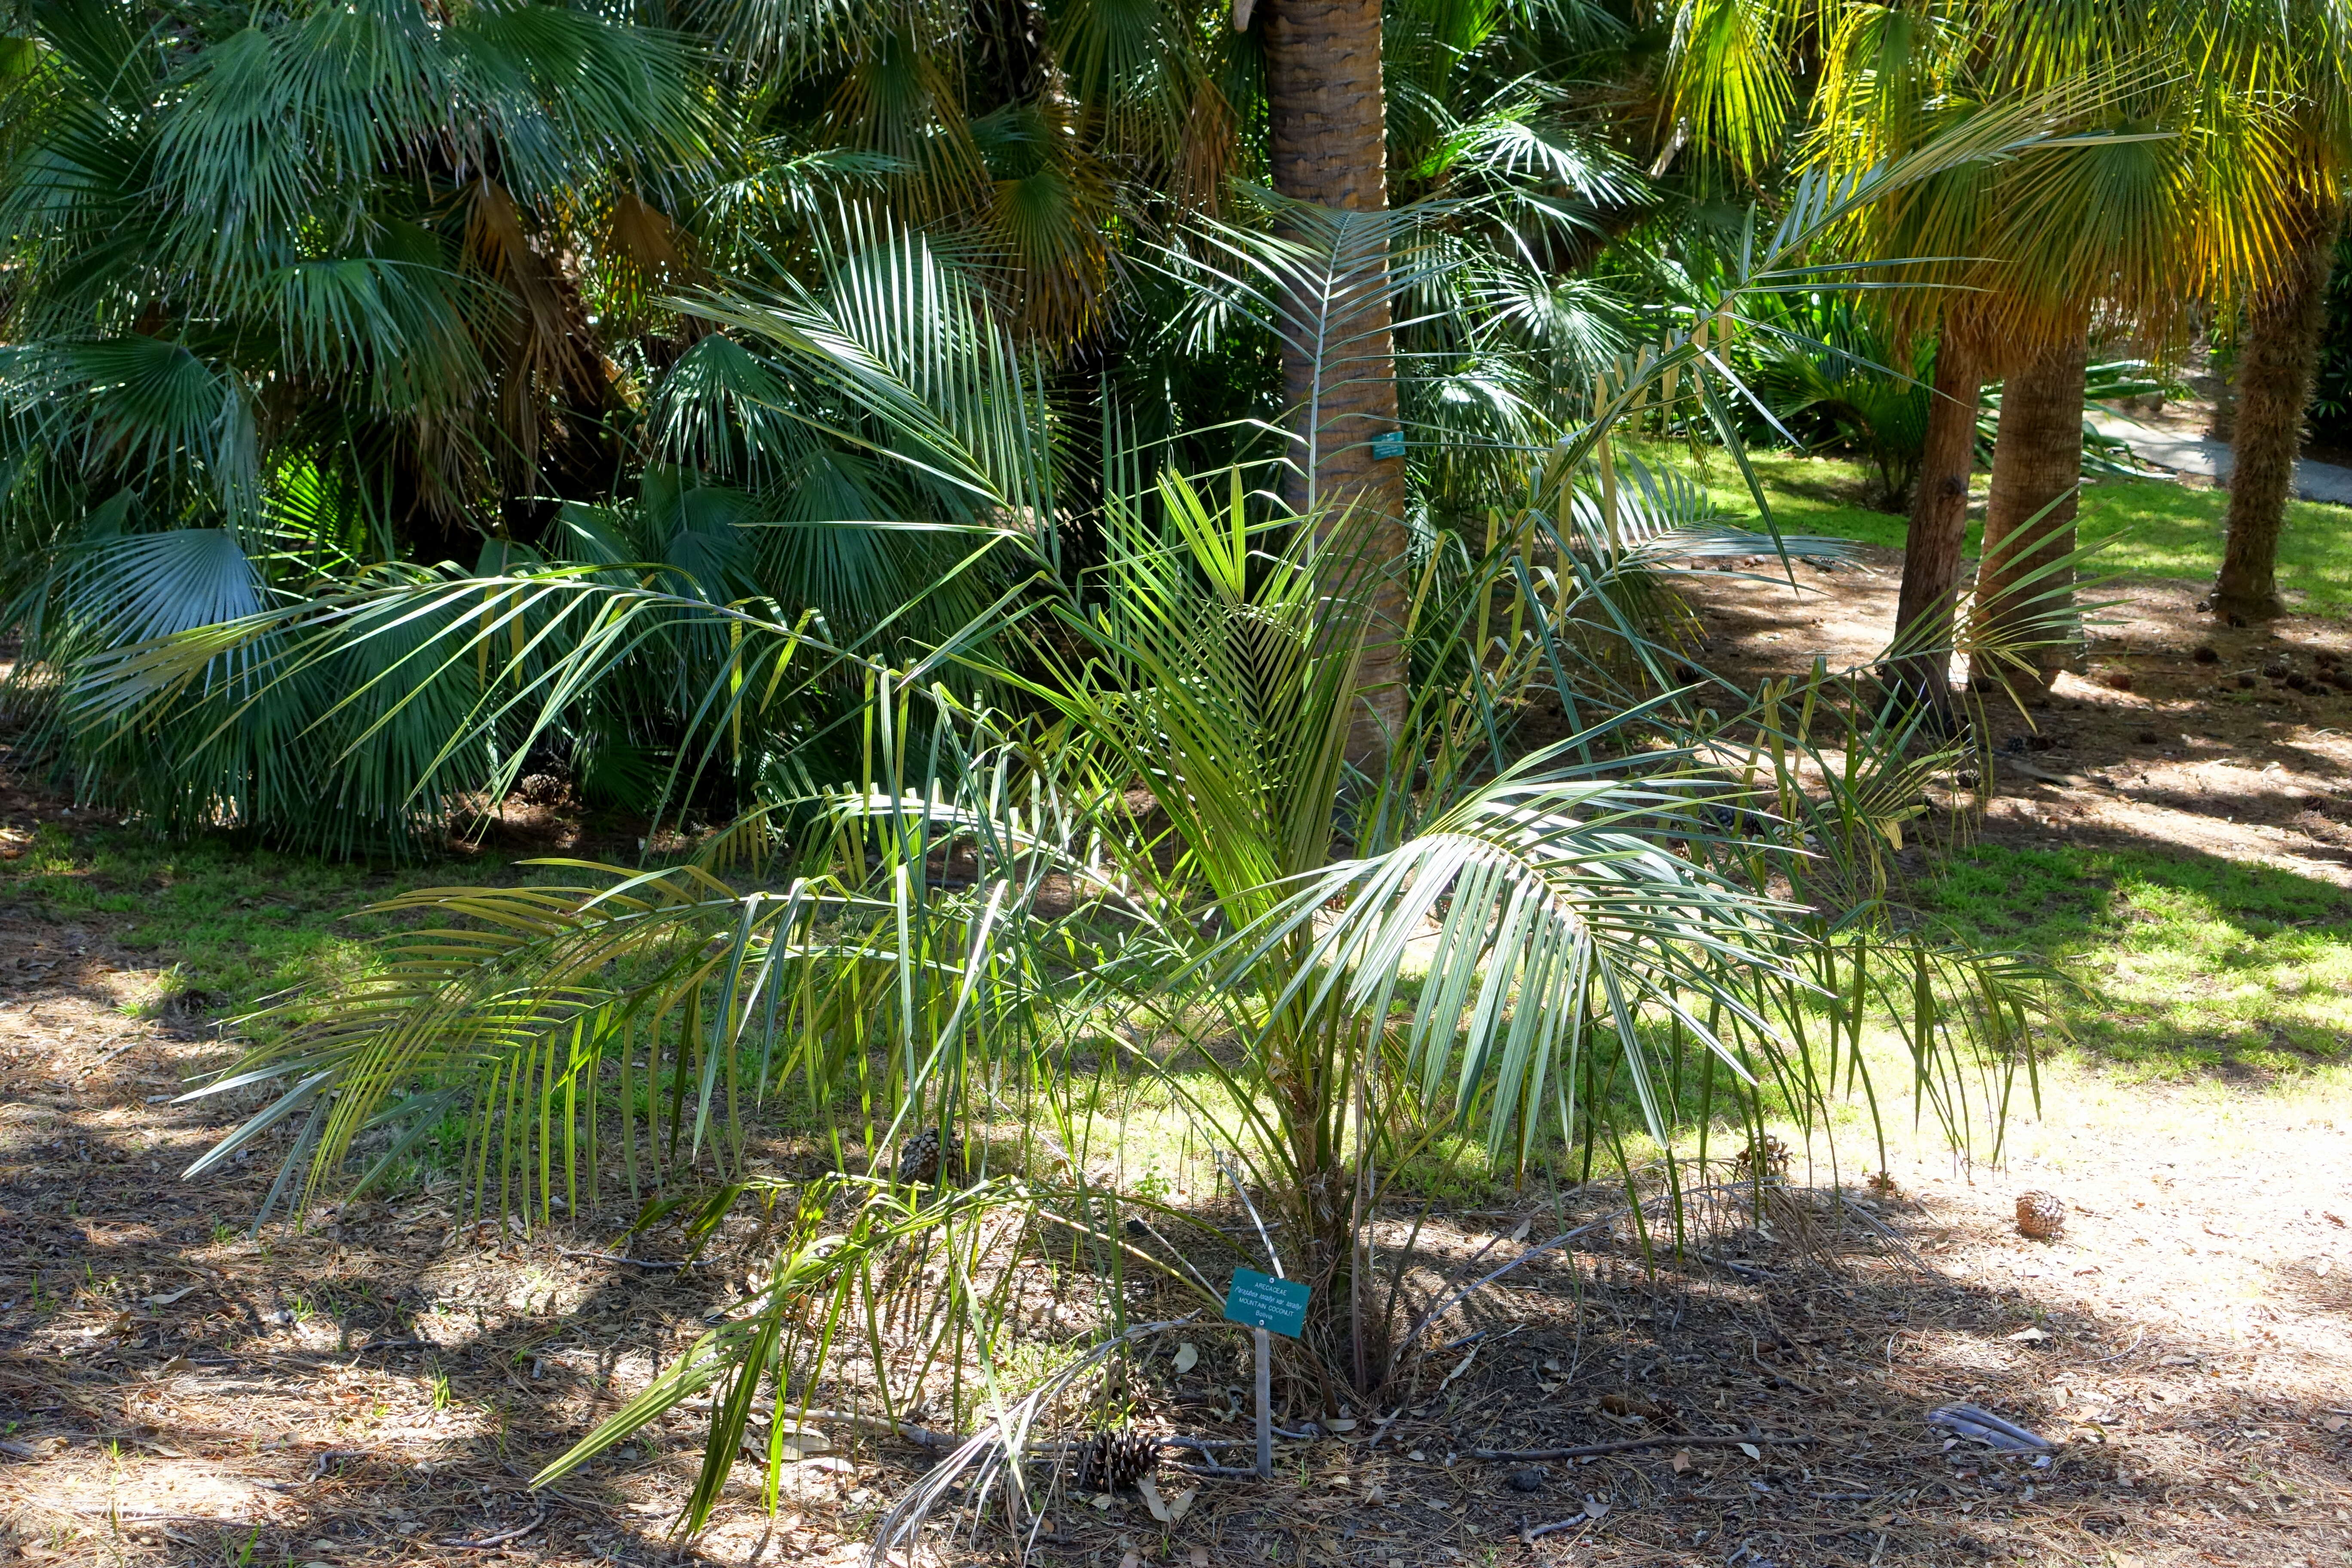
<point x="285" y="1405"/>
<point x="2189" y="962"/>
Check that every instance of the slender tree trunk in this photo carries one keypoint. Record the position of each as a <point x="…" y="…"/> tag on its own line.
<point x="1327" y="134"/>
<point x="2037" y="467"/>
<point x="2276" y="358"/>
<point x="1940" y="522"/>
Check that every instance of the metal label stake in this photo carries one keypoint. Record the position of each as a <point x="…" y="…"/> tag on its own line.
<point x="1265" y="1403"/>
<point x="1270" y="1306"/>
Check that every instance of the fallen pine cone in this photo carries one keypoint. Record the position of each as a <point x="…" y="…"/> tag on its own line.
<point x="1767" y="1157"/>
<point x="1635" y="1405"/>
<point x="2040" y="1215"/>
<point x="925" y="1160"/>
<point x="1113" y="1461"/>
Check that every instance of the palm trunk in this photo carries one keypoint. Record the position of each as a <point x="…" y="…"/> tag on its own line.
<point x="2024" y="633"/>
<point x="1939" y="523"/>
<point x="2276" y="359"/>
<point x="1327" y="134"/>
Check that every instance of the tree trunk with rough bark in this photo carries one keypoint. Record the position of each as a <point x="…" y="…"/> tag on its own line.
<point x="1326" y="135"/>
<point x="2277" y="356"/>
<point x="1939" y="523"/>
<point x="2022" y="600"/>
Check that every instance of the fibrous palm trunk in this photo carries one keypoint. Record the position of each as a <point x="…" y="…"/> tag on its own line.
<point x="2276" y="358"/>
<point x="1940" y="522"/>
<point x="1327" y="132"/>
<point x="2024" y="633"/>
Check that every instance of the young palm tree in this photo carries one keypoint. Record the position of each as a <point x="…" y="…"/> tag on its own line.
<point x="988" y="905"/>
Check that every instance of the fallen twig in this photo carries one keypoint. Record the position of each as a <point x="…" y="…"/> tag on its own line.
<point x="325" y="1460"/>
<point x="1622" y="1445"/>
<point x="654" y="1263"/>
<point x="115" y="1510"/>
<point x="1529" y="1534"/>
<point x="127" y="1045"/>
<point x="502" y="1538"/>
<point x="925" y="1437"/>
<point x="921" y="1436"/>
<point x="1207" y="1445"/>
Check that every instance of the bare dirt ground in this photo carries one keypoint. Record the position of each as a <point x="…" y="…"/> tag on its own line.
<point x="2181" y="734"/>
<point x="377" y="1387"/>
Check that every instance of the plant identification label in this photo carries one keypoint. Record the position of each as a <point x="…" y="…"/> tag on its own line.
<point x="1278" y="1306"/>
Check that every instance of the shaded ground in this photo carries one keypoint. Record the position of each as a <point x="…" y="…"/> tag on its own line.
<point x="381" y="1385"/>
<point x="384" y="1385"/>
<point x="2181" y="734"/>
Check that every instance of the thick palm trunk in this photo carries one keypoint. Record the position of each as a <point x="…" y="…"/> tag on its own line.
<point x="2024" y="601"/>
<point x="2276" y="358"/>
<point x="1939" y="523"/>
<point x="1326" y="134"/>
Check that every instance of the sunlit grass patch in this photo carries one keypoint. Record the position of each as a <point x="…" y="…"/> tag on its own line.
<point x="231" y="922"/>
<point x="2188" y="960"/>
<point x="2152" y="528"/>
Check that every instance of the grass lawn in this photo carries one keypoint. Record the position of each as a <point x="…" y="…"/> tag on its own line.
<point x="2187" y="961"/>
<point x="216" y="915"/>
<point x="2154" y="528"/>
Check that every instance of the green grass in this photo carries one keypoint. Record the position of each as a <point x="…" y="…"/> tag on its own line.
<point x="2152" y="528"/>
<point x="2189" y="962"/>
<point x="221" y="917"/>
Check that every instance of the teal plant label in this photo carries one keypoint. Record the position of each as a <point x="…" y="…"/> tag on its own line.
<point x="1388" y="444"/>
<point x="1264" y="1302"/>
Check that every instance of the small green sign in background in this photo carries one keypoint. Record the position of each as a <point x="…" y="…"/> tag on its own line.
<point x="1388" y="444"/>
<point x="1262" y="1301"/>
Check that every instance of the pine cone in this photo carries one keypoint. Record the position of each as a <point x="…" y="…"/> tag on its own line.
<point x="2041" y="1214"/>
<point x="1113" y="1461"/>
<point x="1771" y="1152"/>
<point x="922" y="1158"/>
